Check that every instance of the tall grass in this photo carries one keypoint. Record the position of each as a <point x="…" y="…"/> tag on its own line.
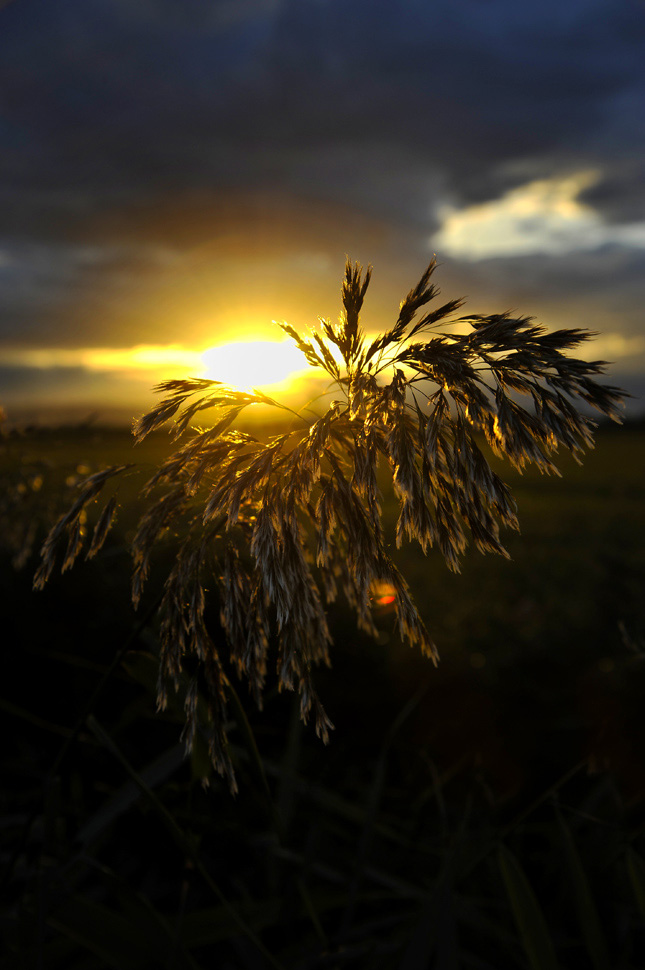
<point x="282" y="526"/>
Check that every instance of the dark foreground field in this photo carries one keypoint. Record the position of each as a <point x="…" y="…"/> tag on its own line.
<point x="487" y="813"/>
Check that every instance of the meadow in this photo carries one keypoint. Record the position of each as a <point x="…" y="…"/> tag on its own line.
<point x="484" y="813"/>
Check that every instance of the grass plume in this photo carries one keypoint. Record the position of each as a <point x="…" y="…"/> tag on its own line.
<point x="282" y="526"/>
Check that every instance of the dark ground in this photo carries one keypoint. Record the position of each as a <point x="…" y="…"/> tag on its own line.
<point x="487" y="813"/>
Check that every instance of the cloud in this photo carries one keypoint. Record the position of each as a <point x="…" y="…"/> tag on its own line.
<point x="543" y="217"/>
<point x="142" y="358"/>
<point x="112" y="102"/>
<point x="619" y="195"/>
<point x="615" y="346"/>
<point x="218" y="14"/>
<point x="198" y="268"/>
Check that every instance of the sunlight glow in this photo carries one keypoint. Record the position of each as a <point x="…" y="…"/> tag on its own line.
<point x="254" y="363"/>
<point x="243" y="364"/>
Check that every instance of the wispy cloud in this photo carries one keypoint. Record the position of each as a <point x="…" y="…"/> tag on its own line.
<point x="544" y="216"/>
<point x="145" y="357"/>
<point x="615" y="346"/>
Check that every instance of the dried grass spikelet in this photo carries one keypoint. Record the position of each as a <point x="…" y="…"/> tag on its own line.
<point x="70" y="526"/>
<point x="280" y="526"/>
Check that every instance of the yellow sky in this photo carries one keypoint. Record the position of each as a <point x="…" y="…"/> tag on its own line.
<point x="243" y="364"/>
<point x="211" y="314"/>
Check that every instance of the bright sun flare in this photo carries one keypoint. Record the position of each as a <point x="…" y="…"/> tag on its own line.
<point x="254" y="363"/>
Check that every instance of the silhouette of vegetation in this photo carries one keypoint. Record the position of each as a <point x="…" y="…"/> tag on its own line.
<point x="283" y="525"/>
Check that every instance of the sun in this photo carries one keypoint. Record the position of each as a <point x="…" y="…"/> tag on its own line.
<point x="254" y="363"/>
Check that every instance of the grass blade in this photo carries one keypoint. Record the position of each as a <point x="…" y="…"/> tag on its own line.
<point x="586" y="910"/>
<point x="15" y="711"/>
<point x="529" y="918"/>
<point x="153" y="775"/>
<point x="111" y="937"/>
<point x="373" y="805"/>
<point x="247" y="733"/>
<point x="182" y="840"/>
<point x="636" y="870"/>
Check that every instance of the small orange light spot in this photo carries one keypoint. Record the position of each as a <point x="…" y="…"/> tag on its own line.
<point x="385" y="600"/>
<point x="383" y="594"/>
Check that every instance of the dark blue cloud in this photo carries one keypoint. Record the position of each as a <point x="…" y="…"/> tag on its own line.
<point x="110" y="99"/>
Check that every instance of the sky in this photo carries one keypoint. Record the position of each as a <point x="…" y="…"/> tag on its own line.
<point x="177" y="174"/>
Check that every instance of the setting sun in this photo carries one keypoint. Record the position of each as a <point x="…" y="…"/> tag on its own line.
<point x="254" y="363"/>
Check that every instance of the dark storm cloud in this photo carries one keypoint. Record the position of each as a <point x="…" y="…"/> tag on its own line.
<point x="599" y="291"/>
<point x="620" y="193"/>
<point x="106" y="102"/>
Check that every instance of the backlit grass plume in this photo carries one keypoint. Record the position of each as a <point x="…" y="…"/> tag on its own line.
<point x="282" y="526"/>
